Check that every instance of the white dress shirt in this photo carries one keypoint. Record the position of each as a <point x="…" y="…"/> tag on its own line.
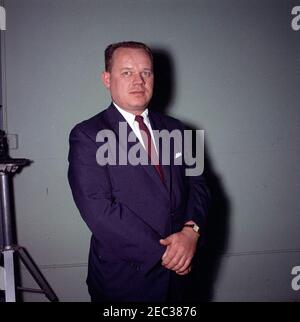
<point x="130" y="118"/>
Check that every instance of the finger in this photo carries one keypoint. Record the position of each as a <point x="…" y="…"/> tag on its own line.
<point x="167" y="256"/>
<point x="171" y="253"/>
<point x="175" y="260"/>
<point x="165" y="242"/>
<point x="186" y="265"/>
<point x="185" y="272"/>
<point x="166" y="253"/>
<point x="173" y="257"/>
<point x="180" y="264"/>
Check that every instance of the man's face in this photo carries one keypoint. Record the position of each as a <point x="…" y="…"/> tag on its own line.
<point x="130" y="80"/>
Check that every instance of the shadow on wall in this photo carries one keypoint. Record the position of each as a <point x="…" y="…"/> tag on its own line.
<point x="208" y="258"/>
<point x="207" y="261"/>
<point x="164" y="82"/>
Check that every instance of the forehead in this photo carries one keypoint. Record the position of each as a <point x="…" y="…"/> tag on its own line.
<point x="129" y="56"/>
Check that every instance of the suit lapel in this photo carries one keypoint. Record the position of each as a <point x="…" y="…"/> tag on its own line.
<point x="115" y="117"/>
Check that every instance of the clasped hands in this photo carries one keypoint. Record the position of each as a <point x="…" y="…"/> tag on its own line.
<point x="180" y="251"/>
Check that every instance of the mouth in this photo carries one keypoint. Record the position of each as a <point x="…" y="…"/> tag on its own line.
<point x="137" y="92"/>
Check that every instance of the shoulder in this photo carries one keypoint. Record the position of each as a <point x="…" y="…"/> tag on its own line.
<point x="168" y="122"/>
<point x="90" y="126"/>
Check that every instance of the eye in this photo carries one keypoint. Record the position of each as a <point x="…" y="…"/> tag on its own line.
<point x="126" y="73"/>
<point x="146" y="73"/>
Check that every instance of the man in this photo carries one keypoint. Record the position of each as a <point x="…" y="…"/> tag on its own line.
<point x="145" y="219"/>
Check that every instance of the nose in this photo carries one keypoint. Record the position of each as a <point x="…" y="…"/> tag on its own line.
<point x="138" y="79"/>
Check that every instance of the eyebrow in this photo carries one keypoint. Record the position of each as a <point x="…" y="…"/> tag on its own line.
<point x="123" y="68"/>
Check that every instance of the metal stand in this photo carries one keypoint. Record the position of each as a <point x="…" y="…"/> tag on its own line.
<point x="9" y="250"/>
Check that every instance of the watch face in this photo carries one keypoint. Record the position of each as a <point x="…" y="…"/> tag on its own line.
<point x="196" y="228"/>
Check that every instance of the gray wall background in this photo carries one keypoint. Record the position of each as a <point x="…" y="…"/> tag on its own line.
<point x="235" y="66"/>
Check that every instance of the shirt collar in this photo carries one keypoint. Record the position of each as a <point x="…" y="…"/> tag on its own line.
<point x="130" y="118"/>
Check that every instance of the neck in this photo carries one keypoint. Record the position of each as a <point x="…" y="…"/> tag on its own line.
<point x="137" y="111"/>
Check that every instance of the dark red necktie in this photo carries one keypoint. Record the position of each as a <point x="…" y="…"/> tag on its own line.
<point x="149" y="145"/>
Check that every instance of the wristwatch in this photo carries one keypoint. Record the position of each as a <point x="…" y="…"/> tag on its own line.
<point x="195" y="227"/>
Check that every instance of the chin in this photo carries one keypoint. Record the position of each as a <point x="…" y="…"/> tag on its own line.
<point x="139" y="104"/>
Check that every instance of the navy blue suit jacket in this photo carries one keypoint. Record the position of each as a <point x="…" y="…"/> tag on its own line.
<point x="128" y="211"/>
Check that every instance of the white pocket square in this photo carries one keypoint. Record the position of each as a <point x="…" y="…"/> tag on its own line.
<point x="178" y="154"/>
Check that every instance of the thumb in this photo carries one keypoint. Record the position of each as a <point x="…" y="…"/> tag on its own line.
<point x="165" y="242"/>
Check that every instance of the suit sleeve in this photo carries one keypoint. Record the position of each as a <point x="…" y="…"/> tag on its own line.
<point x="199" y="196"/>
<point x="198" y="201"/>
<point x="111" y="223"/>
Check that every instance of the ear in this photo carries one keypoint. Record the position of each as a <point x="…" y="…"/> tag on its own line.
<point x="105" y="77"/>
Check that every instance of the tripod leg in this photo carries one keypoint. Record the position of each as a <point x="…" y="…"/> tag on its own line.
<point x="36" y="274"/>
<point x="9" y="276"/>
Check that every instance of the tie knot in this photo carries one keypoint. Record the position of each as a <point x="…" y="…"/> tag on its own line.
<point x="139" y="119"/>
